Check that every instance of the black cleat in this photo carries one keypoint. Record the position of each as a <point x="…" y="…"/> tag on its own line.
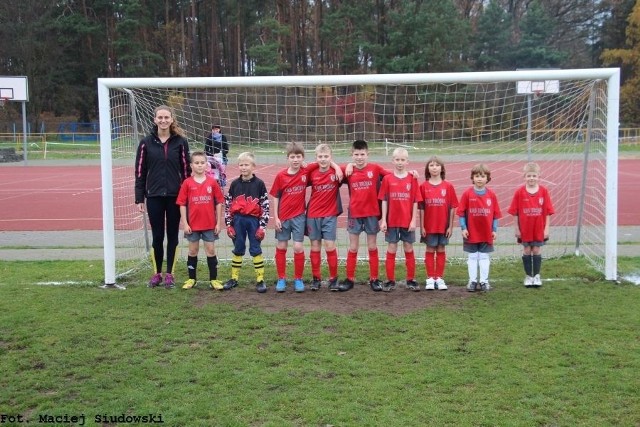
<point x="413" y="285"/>
<point x="388" y="286"/>
<point x="316" y="284"/>
<point x="230" y="284"/>
<point x="346" y="285"/>
<point x="376" y="285"/>
<point x="261" y="288"/>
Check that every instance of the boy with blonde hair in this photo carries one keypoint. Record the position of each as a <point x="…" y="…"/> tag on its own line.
<point x="400" y="195"/>
<point x="246" y="216"/>
<point x="532" y="207"/>
<point x="322" y="217"/>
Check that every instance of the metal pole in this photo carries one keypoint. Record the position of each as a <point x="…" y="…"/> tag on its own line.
<point x="529" y="126"/>
<point x="24" y="132"/>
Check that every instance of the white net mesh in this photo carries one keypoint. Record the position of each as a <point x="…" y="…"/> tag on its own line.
<point x="464" y="123"/>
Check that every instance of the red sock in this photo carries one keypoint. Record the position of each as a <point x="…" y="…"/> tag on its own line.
<point x="281" y="263"/>
<point x="298" y="265"/>
<point x="332" y="260"/>
<point x="374" y="263"/>
<point x="390" y="266"/>
<point x="441" y="260"/>
<point x="430" y="264"/>
<point x="314" y="256"/>
<point x="410" y="261"/>
<point x="352" y="258"/>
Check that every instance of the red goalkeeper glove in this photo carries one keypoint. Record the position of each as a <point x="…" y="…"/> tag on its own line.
<point x="231" y="232"/>
<point x="260" y="234"/>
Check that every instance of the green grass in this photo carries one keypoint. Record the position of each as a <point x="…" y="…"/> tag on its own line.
<point x="565" y="355"/>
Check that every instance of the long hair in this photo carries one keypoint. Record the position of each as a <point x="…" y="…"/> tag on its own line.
<point x="174" y="128"/>
<point x="434" y="159"/>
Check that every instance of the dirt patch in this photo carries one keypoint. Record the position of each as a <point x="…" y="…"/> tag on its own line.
<point x="360" y="298"/>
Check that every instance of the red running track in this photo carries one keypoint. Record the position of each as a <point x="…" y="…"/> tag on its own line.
<point x="61" y="198"/>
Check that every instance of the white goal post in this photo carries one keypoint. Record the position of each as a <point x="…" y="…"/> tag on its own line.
<point x="463" y="117"/>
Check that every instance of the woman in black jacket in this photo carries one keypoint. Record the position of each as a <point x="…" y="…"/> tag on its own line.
<point x="162" y="163"/>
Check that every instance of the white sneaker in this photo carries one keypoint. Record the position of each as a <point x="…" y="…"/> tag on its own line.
<point x="537" y="281"/>
<point x="485" y="286"/>
<point x="430" y="284"/>
<point x="528" y="282"/>
<point x="440" y="284"/>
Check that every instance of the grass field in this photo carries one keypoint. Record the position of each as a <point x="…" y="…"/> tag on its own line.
<point x="563" y="355"/>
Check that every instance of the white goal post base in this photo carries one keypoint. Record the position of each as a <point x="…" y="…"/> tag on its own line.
<point x="464" y="118"/>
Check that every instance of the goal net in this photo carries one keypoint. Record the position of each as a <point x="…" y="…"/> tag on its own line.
<point x="565" y="120"/>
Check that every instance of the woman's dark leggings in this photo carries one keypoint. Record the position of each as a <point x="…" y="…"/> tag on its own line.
<point x="163" y="211"/>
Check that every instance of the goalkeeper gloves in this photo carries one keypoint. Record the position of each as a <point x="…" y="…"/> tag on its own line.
<point x="231" y="232"/>
<point x="260" y="234"/>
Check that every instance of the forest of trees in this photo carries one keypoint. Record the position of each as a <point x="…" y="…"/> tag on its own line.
<point x="63" y="46"/>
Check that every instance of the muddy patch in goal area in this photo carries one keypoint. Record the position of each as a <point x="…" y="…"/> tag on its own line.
<point x="361" y="298"/>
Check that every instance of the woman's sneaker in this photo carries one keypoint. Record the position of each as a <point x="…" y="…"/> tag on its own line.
<point x="155" y="280"/>
<point x="169" y="281"/>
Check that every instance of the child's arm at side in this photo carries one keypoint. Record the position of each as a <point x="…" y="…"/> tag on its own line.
<point x="414" y="217"/>
<point x="219" y="218"/>
<point x="383" y="220"/>
<point x="276" y="218"/>
<point x="183" y="219"/>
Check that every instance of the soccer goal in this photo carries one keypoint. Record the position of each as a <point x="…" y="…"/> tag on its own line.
<point x="565" y="120"/>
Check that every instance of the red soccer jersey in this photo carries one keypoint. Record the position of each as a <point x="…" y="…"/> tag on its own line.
<point x="325" y="196"/>
<point x="479" y="211"/>
<point x="201" y="200"/>
<point x="291" y="190"/>
<point x="438" y="200"/>
<point x="532" y="211"/>
<point x="400" y="194"/>
<point x="363" y="191"/>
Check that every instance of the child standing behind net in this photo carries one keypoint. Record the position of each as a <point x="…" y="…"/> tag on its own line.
<point x="201" y="200"/>
<point x="479" y="212"/>
<point x="532" y="207"/>
<point x="437" y="212"/>
<point x="400" y="195"/>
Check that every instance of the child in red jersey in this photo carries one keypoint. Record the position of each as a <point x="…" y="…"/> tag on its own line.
<point x="531" y="204"/>
<point x="200" y="200"/>
<point x="437" y="212"/>
<point x="322" y="216"/>
<point x="246" y="216"/>
<point x="400" y="195"/>
<point x="289" y="191"/>
<point x="363" y="213"/>
<point x="479" y="212"/>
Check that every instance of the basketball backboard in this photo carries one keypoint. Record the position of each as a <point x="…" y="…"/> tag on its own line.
<point x="14" y="88"/>
<point x="538" y="86"/>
